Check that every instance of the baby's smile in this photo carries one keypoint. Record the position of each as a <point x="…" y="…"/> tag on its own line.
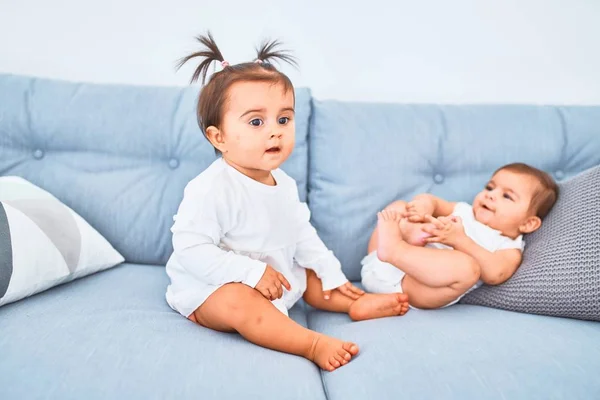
<point x="487" y="207"/>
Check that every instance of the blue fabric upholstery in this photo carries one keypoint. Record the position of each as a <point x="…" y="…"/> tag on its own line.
<point x="113" y="336"/>
<point x="118" y="155"/>
<point x="465" y="352"/>
<point x="364" y="156"/>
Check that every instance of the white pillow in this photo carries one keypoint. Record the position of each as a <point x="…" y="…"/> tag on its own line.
<point x="44" y="243"/>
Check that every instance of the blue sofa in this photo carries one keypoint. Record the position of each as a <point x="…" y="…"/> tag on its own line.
<point x="121" y="155"/>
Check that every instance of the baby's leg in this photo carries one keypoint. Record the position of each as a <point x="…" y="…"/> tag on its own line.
<point x="425" y="297"/>
<point x="367" y="306"/>
<point x="435" y="268"/>
<point x="238" y="307"/>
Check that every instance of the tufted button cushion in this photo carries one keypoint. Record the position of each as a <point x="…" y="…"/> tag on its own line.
<point x="109" y="145"/>
<point x="38" y="154"/>
<point x="173" y="163"/>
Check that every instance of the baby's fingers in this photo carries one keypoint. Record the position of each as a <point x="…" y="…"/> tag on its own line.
<point x="354" y="289"/>
<point x="416" y="218"/>
<point x="279" y="289"/>
<point x="432" y="230"/>
<point x="404" y="214"/>
<point x="348" y="293"/>
<point x="267" y="293"/>
<point x="284" y="281"/>
<point x="438" y="224"/>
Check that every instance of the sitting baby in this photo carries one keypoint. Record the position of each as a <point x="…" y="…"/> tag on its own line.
<point x="437" y="251"/>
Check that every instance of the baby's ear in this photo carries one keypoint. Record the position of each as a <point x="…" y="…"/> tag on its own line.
<point x="531" y="224"/>
<point x="216" y="138"/>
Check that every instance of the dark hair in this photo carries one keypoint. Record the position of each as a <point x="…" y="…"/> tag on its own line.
<point x="545" y="194"/>
<point x="214" y="95"/>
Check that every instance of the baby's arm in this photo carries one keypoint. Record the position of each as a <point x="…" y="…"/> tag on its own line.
<point x="496" y="267"/>
<point x="198" y="253"/>
<point x="200" y="223"/>
<point x="311" y="253"/>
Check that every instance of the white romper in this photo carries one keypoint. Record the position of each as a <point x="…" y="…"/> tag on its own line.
<point x="229" y="227"/>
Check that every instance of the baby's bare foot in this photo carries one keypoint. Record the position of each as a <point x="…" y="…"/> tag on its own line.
<point x="370" y="306"/>
<point x="413" y="233"/>
<point x="329" y="353"/>
<point x="389" y="237"/>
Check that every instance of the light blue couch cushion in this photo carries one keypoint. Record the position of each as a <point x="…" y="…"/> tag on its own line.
<point x="113" y="336"/>
<point x="364" y="156"/>
<point x="118" y="155"/>
<point x="465" y="352"/>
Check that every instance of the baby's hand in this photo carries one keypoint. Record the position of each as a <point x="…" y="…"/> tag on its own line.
<point x="347" y="289"/>
<point x="445" y="230"/>
<point x="270" y="285"/>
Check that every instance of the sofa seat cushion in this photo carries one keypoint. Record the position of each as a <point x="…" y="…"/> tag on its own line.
<point x="465" y="352"/>
<point x="112" y="335"/>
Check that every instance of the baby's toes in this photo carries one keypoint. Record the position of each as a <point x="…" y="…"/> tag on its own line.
<point x="340" y="359"/>
<point x="333" y="362"/>
<point x="344" y="354"/>
<point x="398" y="309"/>
<point x="350" y="348"/>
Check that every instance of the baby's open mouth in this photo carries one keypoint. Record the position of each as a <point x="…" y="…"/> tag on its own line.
<point x="274" y="149"/>
<point x="486" y="207"/>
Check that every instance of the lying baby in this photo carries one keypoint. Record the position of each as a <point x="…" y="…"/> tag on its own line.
<point x="437" y="251"/>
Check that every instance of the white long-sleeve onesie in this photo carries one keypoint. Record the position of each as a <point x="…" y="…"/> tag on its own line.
<point x="229" y="227"/>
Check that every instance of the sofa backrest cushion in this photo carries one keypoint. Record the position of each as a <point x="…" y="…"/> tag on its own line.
<point x="119" y="155"/>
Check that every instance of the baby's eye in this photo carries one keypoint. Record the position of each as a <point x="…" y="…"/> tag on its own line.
<point x="283" y="120"/>
<point x="507" y="196"/>
<point x="488" y="188"/>
<point x="256" y="122"/>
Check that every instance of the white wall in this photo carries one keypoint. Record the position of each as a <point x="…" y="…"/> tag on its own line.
<point x="523" y="51"/>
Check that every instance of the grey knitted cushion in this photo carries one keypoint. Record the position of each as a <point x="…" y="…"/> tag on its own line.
<point x="560" y="272"/>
